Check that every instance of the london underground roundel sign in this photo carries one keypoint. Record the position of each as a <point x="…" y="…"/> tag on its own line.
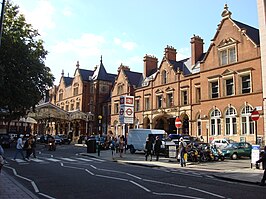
<point x="178" y="122"/>
<point x="255" y="115"/>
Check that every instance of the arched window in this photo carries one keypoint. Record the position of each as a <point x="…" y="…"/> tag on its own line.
<point x="247" y="125"/>
<point x="76" y="89"/>
<point x="164" y="77"/>
<point x="230" y="121"/>
<point x="199" y="126"/>
<point x="215" y="122"/>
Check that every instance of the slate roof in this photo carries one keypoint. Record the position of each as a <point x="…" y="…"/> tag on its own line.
<point x="134" y="78"/>
<point x="252" y="32"/>
<point x="85" y="74"/>
<point x="101" y="74"/>
<point x="181" y="65"/>
<point x="68" y="81"/>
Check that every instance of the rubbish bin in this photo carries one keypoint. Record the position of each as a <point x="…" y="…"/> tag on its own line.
<point x="91" y="146"/>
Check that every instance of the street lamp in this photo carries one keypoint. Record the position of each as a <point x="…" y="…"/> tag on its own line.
<point x="99" y="142"/>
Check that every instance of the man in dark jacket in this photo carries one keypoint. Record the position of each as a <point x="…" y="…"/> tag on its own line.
<point x="148" y="148"/>
<point x="263" y="160"/>
<point x="157" y="147"/>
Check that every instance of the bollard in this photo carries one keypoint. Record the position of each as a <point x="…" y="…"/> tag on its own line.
<point x="99" y="148"/>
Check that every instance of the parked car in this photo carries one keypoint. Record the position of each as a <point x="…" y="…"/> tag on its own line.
<point x="65" y="139"/>
<point x="5" y="140"/>
<point x="44" y="138"/>
<point x="58" y="139"/>
<point x="221" y="143"/>
<point x="237" y="149"/>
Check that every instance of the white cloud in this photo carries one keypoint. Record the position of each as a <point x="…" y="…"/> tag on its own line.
<point x="86" y="45"/>
<point x="41" y="16"/>
<point x="67" y="12"/>
<point x="128" y="45"/>
<point x="183" y="53"/>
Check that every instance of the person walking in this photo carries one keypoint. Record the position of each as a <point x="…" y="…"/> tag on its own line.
<point x="33" y="146"/>
<point x="263" y="160"/>
<point x="148" y="148"/>
<point x="182" y="151"/>
<point x="19" y="148"/>
<point x="121" y="145"/>
<point x="28" y="147"/>
<point x="157" y="147"/>
<point x="112" y="146"/>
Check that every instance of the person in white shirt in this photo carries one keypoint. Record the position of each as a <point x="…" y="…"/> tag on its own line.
<point x="19" y="148"/>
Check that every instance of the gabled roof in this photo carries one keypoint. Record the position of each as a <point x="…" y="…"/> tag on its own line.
<point x="68" y="81"/>
<point x="101" y="74"/>
<point x="181" y="65"/>
<point x="134" y="78"/>
<point x="86" y="74"/>
<point x="252" y="33"/>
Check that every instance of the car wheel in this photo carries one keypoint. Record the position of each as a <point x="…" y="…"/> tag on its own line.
<point x="234" y="156"/>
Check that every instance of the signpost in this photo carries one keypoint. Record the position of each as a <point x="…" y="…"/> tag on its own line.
<point x="255" y="115"/>
<point x="178" y="122"/>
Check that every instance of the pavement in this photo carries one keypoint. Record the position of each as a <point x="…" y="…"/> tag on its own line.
<point x="243" y="173"/>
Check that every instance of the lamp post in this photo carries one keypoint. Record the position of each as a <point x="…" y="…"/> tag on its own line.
<point x="99" y="142"/>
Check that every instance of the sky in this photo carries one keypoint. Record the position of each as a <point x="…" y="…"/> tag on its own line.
<point x="123" y="31"/>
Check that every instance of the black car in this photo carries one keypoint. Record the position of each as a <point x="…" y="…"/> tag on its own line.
<point x="5" y="140"/>
<point x="65" y="139"/>
<point x="45" y="138"/>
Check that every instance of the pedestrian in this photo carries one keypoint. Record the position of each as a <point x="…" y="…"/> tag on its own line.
<point x="148" y="148"/>
<point x="28" y="147"/>
<point x="19" y="148"/>
<point x="121" y="145"/>
<point x="2" y="161"/>
<point x="263" y="160"/>
<point x="182" y="152"/>
<point x="33" y="146"/>
<point x="112" y="146"/>
<point x="157" y="147"/>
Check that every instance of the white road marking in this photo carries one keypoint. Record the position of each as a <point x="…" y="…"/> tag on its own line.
<point x="84" y="159"/>
<point x="37" y="160"/>
<point x="100" y="160"/>
<point x="69" y="159"/>
<point x="20" y="161"/>
<point x="53" y="159"/>
<point x="140" y="186"/>
<point x="207" y="192"/>
<point x="177" y="195"/>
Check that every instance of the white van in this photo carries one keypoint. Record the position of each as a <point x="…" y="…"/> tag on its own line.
<point x="136" y="139"/>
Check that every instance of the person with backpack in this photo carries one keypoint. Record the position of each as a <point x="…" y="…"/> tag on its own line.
<point x="182" y="152"/>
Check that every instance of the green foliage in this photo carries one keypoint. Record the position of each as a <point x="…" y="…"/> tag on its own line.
<point x="24" y="78"/>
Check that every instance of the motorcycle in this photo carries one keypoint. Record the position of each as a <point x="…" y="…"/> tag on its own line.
<point x="217" y="154"/>
<point x="51" y="145"/>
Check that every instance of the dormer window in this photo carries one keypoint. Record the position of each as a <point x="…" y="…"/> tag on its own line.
<point x="227" y="52"/>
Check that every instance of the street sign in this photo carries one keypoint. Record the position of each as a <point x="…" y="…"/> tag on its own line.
<point x="178" y="122"/>
<point x="255" y="115"/>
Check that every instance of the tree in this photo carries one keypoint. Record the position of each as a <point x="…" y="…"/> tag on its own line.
<point x="24" y="78"/>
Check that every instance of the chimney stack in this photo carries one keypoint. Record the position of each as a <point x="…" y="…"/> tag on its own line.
<point x="170" y="53"/>
<point x="196" y="49"/>
<point x="150" y="64"/>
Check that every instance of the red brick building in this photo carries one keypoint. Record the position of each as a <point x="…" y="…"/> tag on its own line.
<point x="213" y="93"/>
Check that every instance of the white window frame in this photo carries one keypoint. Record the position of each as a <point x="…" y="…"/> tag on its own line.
<point x="226" y="50"/>
<point x="247" y="126"/>
<point x="225" y="85"/>
<point x="241" y="75"/>
<point x="210" y="88"/>
<point x="231" y="126"/>
<point x="215" y="128"/>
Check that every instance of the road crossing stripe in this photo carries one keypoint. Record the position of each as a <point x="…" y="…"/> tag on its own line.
<point x="53" y="159"/>
<point x="36" y="160"/>
<point x="68" y="159"/>
<point x="100" y="160"/>
<point x="20" y="161"/>
<point x="84" y="159"/>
